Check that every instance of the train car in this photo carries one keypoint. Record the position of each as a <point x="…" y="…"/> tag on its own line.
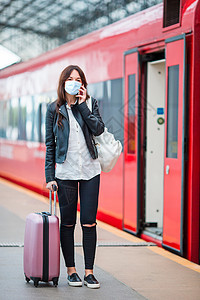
<point x="144" y="71"/>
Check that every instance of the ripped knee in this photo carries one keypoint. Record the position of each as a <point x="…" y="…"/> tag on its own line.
<point x="67" y="225"/>
<point x="89" y="225"/>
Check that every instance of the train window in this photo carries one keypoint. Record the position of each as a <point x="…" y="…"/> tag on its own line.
<point x="32" y="119"/>
<point x="3" y="118"/>
<point x="117" y="108"/>
<point x="131" y="114"/>
<point x="110" y="101"/>
<point x="8" y="116"/>
<point x="13" y="119"/>
<point x="29" y="126"/>
<point x="172" y="111"/>
<point x="36" y="122"/>
<point x="97" y="90"/>
<point x="43" y="108"/>
<point x="22" y="119"/>
<point x="29" y="118"/>
<point x="40" y="122"/>
<point x="171" y="13"/>
<point x="41" y="102"/>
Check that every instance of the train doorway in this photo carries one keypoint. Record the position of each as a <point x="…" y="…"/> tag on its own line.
<point x="155" y="139"/>
<point x="165" y="148"/>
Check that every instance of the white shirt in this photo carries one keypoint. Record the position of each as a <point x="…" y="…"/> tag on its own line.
<point x="78" y="164"/>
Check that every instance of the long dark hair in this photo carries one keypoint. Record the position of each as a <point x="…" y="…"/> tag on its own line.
<point x="61" y="88"/>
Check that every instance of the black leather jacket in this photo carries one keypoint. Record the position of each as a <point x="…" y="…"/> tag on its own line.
<point x="56" y="139"/>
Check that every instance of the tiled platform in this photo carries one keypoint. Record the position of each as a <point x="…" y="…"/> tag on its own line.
<point x="127" y="267"/>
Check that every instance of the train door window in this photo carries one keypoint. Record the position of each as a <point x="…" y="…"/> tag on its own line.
<point x="171" y="13"/>
<point x="172" y="112"/>
<point x="131" y="114"/>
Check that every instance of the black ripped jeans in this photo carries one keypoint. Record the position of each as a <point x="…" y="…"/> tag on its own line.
<point x="68" y="198"/>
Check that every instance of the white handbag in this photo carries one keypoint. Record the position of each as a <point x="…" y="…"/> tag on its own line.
<point x="108" y="148"/>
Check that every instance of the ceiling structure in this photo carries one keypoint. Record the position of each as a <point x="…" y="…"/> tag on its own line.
<point x="32" y="27"/>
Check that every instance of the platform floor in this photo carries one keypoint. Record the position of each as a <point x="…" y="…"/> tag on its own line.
<point x="127" y="267"/>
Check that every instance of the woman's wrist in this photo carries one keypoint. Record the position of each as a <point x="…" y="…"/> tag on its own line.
<point x="81" y="101"/>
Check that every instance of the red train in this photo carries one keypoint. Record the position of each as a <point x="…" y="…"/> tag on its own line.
<point x="145" y="72"/>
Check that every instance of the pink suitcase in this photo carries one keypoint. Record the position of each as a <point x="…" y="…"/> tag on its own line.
<point x="42" y="246"/>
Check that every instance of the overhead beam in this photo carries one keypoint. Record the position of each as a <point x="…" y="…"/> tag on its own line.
<point x="43" y="22"/>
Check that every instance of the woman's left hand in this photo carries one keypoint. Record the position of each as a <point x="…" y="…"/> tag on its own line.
<point x="82" y="94"/>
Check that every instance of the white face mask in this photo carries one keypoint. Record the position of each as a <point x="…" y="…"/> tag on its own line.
<point x="72" y="87"/>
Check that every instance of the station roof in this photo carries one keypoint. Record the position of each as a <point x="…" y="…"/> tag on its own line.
<point x="32" y="27"/>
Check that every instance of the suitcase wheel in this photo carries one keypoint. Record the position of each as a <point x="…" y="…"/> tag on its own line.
<point x="36" y="280"/>
<point x="36" y="283"/>
<point x="27" y="279"/>
<point x="55" y="281"/>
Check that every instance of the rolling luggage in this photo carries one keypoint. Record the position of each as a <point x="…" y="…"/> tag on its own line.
<point x="42" y="246"/>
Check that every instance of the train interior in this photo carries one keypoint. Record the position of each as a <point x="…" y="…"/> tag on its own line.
<point x="155" y="132"/>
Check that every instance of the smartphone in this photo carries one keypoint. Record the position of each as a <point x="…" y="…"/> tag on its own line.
<point x="80" y="93"/>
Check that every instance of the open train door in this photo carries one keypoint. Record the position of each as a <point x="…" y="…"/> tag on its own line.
<point x="174" y="144"/>
<point x="131" y="145"/>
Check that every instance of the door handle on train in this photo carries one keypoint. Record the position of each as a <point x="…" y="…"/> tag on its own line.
<point x="167" y="169"/>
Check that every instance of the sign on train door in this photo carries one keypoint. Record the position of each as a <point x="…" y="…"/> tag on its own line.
<point x="174" y="144"/>
<point x="131" y="145"/>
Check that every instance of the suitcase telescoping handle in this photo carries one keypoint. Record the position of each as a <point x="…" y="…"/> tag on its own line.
<point x="50" y="199"/>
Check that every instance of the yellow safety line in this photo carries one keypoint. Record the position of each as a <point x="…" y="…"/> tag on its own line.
<point x="180" y="260"/>
<point x="160" y="251"/>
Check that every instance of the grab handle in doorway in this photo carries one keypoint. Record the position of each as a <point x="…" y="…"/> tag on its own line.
<point x="167" y="169"/>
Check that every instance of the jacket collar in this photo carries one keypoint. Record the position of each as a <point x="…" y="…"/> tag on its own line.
<point x="76" y="113"/>
<point x="63" y="111"/>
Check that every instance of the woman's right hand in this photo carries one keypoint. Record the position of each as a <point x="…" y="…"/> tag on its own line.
<point x="50" y="184"/>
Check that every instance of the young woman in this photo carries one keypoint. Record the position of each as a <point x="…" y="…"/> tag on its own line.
<point x="70" y="126"/>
